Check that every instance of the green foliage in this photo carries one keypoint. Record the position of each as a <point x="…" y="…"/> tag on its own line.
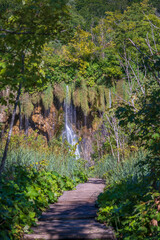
<point x="108" y="169"/>
<point x="145" y="124"/>
<point x="33" y="152"/>
<point x="130" y="206"/>
<point x="92" y="11"/>
<point x="31" y="181"/>
<point x="24" y="195"/>
<point x="110" y="62"/>
<point x="28" y="42"/>
<point x="25" y="27"/>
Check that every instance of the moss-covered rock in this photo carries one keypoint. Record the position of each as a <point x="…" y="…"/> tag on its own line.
<point x="60" y="91"/>
<point x="47" y="97"/>
<point x="26" y="105"/>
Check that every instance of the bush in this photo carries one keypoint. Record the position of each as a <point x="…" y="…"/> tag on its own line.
<point x="132" y="207"/>
<point x="24" y="195"/>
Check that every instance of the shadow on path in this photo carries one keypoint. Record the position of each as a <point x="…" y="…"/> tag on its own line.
<point x="73" y="216"/>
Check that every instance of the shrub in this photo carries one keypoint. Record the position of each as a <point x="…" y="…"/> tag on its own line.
<point x="29" y="184"/>
<point x="131" y="207"/>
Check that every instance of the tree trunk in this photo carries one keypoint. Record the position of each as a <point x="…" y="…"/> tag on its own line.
<point x="12" y="121"/>
<point x="10" y="131"/>
<point x="20" y="118"/>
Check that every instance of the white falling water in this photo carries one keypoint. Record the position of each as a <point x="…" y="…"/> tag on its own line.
<point x="69" y="133"/>
<point x="110" y="99"/>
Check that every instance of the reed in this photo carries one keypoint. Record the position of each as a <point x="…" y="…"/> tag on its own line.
<point x="65" y="165"/>
<point x="111" y="171"/>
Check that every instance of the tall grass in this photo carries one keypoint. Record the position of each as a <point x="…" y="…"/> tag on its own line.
<point x="65" y="165"/>
<point x="109" y="169"/>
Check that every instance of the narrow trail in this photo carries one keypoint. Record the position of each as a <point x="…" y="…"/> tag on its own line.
<point x="73" y="216"/>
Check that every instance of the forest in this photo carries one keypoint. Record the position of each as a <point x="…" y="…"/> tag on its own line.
<point x="80" y="98"/>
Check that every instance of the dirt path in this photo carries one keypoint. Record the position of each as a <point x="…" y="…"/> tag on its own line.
<point x="73" y="216"/>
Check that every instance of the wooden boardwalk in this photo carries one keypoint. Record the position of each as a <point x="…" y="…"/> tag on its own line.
<point x="73" y="216"/>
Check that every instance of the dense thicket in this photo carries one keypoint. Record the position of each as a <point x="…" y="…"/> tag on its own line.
<point x="93" y="10"/>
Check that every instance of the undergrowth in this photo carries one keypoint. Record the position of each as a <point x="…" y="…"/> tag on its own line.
<point x="130" y="203"/>
<point x="108" y="168"/>
<point x="30" y="182"/>
<point x="65" y="165"/>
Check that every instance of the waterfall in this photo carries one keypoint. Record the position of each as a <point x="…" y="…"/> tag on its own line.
<point x="68" y="133"/>
<point x="110" y="98"/>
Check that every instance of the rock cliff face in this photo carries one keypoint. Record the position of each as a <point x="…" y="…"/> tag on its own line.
<point x="3" y="120"/>
<point x="44" y="113"/>
<point x="50" y="123"/>
<point x="46" y="123"/>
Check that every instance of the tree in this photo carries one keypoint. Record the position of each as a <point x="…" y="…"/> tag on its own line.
<point x="137" y="39"/>
<point x="94" y="10"/>
<point x="25" y="26"/>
